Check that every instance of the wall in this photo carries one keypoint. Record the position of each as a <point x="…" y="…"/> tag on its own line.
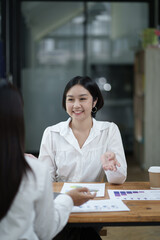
<point x="152" y="108"/>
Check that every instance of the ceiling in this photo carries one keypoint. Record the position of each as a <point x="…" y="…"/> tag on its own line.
<point x="44" y="17"/>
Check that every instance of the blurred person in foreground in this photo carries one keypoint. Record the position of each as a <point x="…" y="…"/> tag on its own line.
<point x="27" y="208"/>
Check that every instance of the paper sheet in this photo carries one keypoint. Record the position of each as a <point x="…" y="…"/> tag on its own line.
<point x="134" y="194"/>
<point x="99" y="188"/>
<point x="101" y="206"/>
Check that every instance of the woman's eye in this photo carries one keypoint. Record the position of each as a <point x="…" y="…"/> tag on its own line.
<point x="82" y="99"/>
<point x="69" y="99"/>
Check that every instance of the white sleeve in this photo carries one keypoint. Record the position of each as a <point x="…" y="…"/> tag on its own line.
<point x="51" y="215"/>
<point x="47" y="154"/>
<point x="115" y="145"/>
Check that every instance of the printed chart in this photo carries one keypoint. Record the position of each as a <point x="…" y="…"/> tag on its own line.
<point x="134" y="194"/>
<point x="101" y="206"/>
<point x="99" y="188"/>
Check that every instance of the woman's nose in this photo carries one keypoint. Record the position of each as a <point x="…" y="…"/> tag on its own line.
<point x="76" y="103"/>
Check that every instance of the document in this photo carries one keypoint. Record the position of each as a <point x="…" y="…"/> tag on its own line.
<point x="106" y="205"/>
<point x="99" y="188"/>
<point x="134" y="194"/>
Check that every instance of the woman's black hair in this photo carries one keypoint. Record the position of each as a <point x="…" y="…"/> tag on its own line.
<point x="88" y="84"/>
<point x="12" y="162"/>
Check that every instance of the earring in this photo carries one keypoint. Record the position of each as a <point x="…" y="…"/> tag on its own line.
<point x="94" y="109"/>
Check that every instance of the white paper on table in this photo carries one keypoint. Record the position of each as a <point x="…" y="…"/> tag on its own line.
<point x="134" y="194"/>
<point x="106" y="205"/>
<point x="99" y="188"/>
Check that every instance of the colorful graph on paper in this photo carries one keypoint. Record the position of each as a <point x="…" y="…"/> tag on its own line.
<point x="106" y="205"/>
<point x="134" y="194"/>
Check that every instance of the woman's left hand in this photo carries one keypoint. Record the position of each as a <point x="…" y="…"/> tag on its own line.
<point x="109" y="161"/>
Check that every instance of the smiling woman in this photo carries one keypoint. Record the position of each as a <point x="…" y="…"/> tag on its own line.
<point x="83" y="149"/>
<point x="85" y="89"/>
<point x="79" y="103"/>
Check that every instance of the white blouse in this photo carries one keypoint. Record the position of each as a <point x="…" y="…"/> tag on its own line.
<point x="70" y="163"/>
<point x="34" y="214"/>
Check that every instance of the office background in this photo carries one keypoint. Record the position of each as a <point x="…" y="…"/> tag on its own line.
<point x="46" y="43"/>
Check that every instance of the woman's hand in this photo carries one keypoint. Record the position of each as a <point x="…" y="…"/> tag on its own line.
<point x="80" y="195"/>
<point x="109" y="161"/>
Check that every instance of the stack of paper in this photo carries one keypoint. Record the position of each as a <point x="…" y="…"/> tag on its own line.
<point x="106" y="205"/>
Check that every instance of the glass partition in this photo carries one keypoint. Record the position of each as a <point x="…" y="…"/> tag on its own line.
<point x="94" y="38"/>
<point x="53" y="54"/>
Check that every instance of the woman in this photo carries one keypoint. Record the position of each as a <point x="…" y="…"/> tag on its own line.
<point x="82" y="149"/>
<point x="27" y="208"/>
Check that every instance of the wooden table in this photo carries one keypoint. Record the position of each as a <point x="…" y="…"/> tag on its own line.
<point x="142" y="213"/>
